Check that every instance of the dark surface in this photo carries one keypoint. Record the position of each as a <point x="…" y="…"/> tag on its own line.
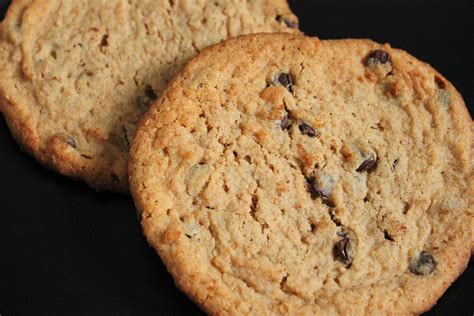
<point x="67" y="250"/>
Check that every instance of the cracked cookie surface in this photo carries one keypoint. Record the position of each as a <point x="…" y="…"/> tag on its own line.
<point x="78" y="75"/>
<point x="280" y="174"/>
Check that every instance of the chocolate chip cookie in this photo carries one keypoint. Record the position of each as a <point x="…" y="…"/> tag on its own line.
<point x="280" y="174"/>
<point x="78" y="75"/>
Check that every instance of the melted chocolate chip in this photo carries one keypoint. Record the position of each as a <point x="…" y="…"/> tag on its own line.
<point x="71" y="142"/>
<point x="285" y="123"/>
<point x="317" y="190"/>
<point x="307" y="130"/>
<point x="368" y="164"/>
<point x="286" y="81"/>
<point x="290" y="23"/>
<point x="343" y="251"/>
<point x="423" y="265"/>
<point x="377" y="57"/>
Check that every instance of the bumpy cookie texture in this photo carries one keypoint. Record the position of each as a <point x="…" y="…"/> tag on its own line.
<point x="280" y="174"/>
<point x="78" y="75"/>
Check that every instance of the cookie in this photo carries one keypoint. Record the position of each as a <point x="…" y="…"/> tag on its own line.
<point x="280" y="174"/>
<point x="78" y="75"/>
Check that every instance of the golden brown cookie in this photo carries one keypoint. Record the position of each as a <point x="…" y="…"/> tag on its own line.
<point x="280" y="174"/>
<point x="78" y="75"/>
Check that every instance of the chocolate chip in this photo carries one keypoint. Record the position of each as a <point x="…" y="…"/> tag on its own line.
<point x="307" y="130"/>
<point x="406" y="207"/>
<point x="105" y="41"/>
<point x="440" y="83"/>
<point x="148" y="98"/>
<point x="286" y="81"/>
<point x="285" y="123"/>
<point x="377" y="57"/>
<point x="334" y="218"/>
<point x="343" y="251"/>
<point x="387" y="236"/>
<point x="423" y="265"/>
<point x="150" y="93"/>
<point x="368" y="164"/>
<point x="395" y="164"/>
<point x="290" y="23"/>
<point x="341" y="233"/>
<point x="71" y="142"/>
<point x="317" y="189"/>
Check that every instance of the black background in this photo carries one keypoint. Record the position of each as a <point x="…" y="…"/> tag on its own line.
<point x="67" y="250"/>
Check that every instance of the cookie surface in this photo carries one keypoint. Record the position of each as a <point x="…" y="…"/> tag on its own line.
<point x="78" y="75"/>
<point x="280" y="174"/>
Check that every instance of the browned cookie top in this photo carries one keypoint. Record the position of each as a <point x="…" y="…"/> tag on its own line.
<point x="280" y="174"/>
<point x="76" y="76"/>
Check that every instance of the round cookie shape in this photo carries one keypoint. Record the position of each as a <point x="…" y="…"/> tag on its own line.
<point x="281" y="174"/>
<point x="78" y="75"/>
